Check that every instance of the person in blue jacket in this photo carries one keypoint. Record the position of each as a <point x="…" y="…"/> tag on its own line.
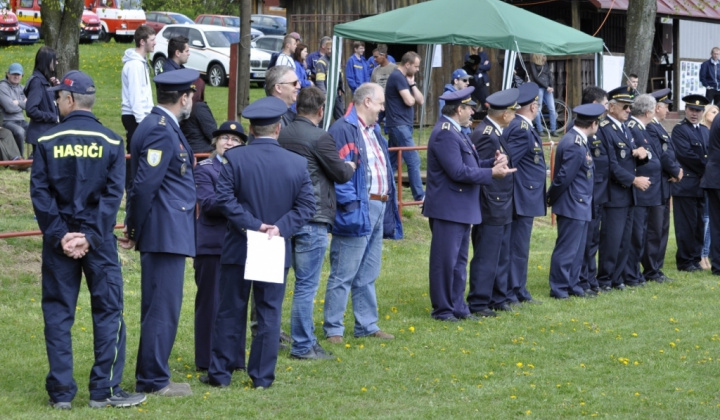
<point x="366" y="212"/>
<point x="210" y="227"/>
<point x="570" y="196"/>
<point x="76" y="187"/>
<point x="452" y="205"/>
<point x="356" y="70"/>
<point x="265" y="188"/>
<point x="160" y="223"/>
<point x="40" y="106"/>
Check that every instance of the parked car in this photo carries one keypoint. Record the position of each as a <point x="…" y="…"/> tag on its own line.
<point x="209" y="52"/>
<point x="157" y="20"/>
<point x="27" y="35"/>
<point x="269" y="43"/>
<point x="225" y="20"/>
<point x="9" y="27"/>
<point x="269" y="24"/>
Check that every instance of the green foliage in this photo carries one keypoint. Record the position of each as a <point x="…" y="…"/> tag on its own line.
<point x="643" y="353"/>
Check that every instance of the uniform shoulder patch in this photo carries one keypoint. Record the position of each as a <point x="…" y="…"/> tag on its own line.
<point x="162" y="121"/>
<point x="604" y="123"/>
<point x="207" y="161"/>
<point x="154" y="157"/>
<point x="631" y="123"/>
<point x="579" y="140"/>
<point x="524" y="125"/>
<point x="488" y="130"/>
<point x="445" y="126"/>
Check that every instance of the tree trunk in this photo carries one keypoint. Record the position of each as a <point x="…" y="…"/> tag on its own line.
<point x="243" y="67"/>
<point x="61" y="30"/>
<point x="639" y="32"/>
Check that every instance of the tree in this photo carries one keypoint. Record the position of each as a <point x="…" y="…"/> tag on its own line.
<point x="640" y="32"/>
<point x="61" y="30"/>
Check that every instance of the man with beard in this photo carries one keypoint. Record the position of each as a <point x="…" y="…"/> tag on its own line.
<point x="160" y="223"/>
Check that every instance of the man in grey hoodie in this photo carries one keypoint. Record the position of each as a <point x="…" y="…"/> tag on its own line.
<point x="12" y="104"/>
<point x="137" y="100"/>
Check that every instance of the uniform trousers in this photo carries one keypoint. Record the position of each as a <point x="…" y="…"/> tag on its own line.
<point x="521" y="231"/>
<point x="228" y="353"/>
<point x="61" y="279"/>
<point x="632" y="275"/>
<point x="689" y="230"/>
<point x="615" y="234"/>
<point x="162" y="291"/>
<point x="448" y="268"/>
<point x="713" y="200"/>
<point x="588" y="273"/>
<point x="656" y="239"/>
<point x="489" y="267"/>
<point x="567" y="258"/>
<point x="207" y="300"/>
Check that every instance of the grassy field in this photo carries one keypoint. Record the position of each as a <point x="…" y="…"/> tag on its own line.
<point x="647" y="353"/>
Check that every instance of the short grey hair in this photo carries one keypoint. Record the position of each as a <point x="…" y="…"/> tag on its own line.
<point x="273" y="77"/>
<point x="366" y="90"/>
<point x="643" y="104"/>
<point x="82" y="101"/>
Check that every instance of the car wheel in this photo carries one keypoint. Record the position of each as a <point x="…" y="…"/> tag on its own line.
<point x="104" y="36"/>
<point x="125" y="39"/>
<point x="216" y="75"/>
<point x="158" y="64"/>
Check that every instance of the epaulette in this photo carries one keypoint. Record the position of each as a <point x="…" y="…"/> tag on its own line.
<point x="604" y="123"/>
<point x="579" y="140"/>
<point x="488" y="130"/>
<point x="632" y="124"/>
<point x="524" y="125"/>
<point x="445" y="126"/>
<point x="207" y="161"/>
<point x="162" y="121"/>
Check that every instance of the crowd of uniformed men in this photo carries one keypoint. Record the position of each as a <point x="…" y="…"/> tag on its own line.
<point x="615" y="171"/>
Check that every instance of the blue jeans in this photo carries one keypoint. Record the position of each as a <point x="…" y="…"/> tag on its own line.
<point x="402" y="136"/>
<point x="354" y="266"/>
<point x="706" y="242"/>
<point x="309" y="247"/>
<point x="549" y="99"/>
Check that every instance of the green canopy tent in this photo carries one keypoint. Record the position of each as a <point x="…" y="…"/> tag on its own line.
<point x="489" y="23"/>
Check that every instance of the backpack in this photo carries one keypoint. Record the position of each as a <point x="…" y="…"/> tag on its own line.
<point x="273" y="60"/>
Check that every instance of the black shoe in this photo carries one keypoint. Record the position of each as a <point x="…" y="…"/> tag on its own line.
<point x="448" y="319"/>
<point x="605" y="288"/>
<point x="207" y="381"/>
<point x="503" y="307"/>
<point x="554" y="133"/>
<point x="595" y="289"/>
<point x="487" y="313"/>
<point x="657" y="279"/>
<point x="121" y="399"/>
<point x="319" y="350"/>
<point x="312" y="355"/>
<point x="469" y="317"/>
<point x="620" y="286"/>
<point x="690" y="268"/>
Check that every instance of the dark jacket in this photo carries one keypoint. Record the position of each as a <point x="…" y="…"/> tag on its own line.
<point x="671" y="168"/>
<point x="541" y="75"/>
<point x="199" y="127"/>
<point x="690" y="145"/>
<point x="710" y="75"/>
<point x="496" y="198"/>
<point x="526" y="152"/>
<point x="210" y="224"/>
<point x="40" y="107"/>
<point x="711" y="177"/>
<point x="323" y="162"/>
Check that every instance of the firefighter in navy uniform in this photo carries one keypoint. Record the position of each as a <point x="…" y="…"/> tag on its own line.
<point x="658" y="222"/>
<point x="570" y="196"/>
<point x="490" y="264"/>
<point x="76" y="186"/>
<point x="690" y="141"/>
<point x="160" y="221"/>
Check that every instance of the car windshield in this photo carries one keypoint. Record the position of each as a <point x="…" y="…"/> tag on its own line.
<point x="128" y="4"/>
<point x="222" y="39"/>
<point x="233" y="21"/>
<point x="182" y="19"/>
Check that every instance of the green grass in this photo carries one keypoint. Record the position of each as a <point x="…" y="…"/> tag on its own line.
<point x="648" y="353"/>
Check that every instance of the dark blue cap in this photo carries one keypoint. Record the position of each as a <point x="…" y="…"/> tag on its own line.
<point x="76" y="81"/>
<point x="589" y="111"/>
<point x="265" y="111"/>
<point x="231" y="127"/>
<point x="695" y="101"/>
<point x="621" y="94"/>
<point x="505" y="99"/>
<point x="662" y="95"/>
<point x="529" y="92"/>
<point x="176" y="80"/>
<point x="458" y="97"/>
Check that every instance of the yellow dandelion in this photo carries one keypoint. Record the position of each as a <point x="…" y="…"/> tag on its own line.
<point x="347" y="346"/>
<point x="528" y="412"/>
<point x="363" y="389"/>
<point x="662" y="351"/>
<point x="582" y="365"/>
<point x="634" y="334"/>
<point x="189" y="375"/>
<point x="513" y="397"/>
<point x="393" y="310"/>
<point x="32" y="299"/>
<point x="637" y="394"/>
<point x="387" y="317"/>
<point x="672" y="344"/>
<point x="519" y="364"/>
<point x="289" y="368"/>
<point x="411" y="329"/>
<point x="179" y="359"/>
<point x="362" y="346"/>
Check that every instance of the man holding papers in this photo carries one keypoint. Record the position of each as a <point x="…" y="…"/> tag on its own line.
<point x="262" y="187"/>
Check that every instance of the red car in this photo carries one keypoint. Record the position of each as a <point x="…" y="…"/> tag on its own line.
<point x="157" y="20"/>
<point x="225" y="20"/>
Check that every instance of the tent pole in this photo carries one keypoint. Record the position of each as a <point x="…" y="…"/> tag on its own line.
<point x="331" y="80"/>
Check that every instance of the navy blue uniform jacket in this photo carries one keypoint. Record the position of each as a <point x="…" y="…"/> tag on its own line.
<point x="711" y="179"/>
<point x="40" y="107"/>
<point x="263" y="183"/>
<point x="160" y="210"/>
<point x="496" y="198"/>
<point x="210" y="224"/>
<point x="571" y="191"/>
<point x="619" y="145"/>
<point x="78" y="178"/>
<point x="454" y="175"/>
<point x="660" y="138"/>
<point x="526" y="152"/>
<point x="651" y="169"/>
<point x="690" y="145"/>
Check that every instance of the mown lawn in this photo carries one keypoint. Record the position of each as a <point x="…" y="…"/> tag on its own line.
<point x="648" y="353"/>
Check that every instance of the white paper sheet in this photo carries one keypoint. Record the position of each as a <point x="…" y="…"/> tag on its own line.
<point x="265" y="258"/>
